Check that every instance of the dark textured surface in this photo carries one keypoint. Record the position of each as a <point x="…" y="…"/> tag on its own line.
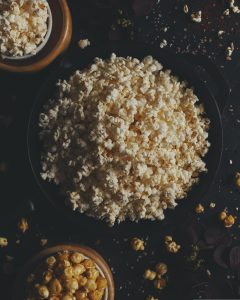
<point x="93" y="19"/>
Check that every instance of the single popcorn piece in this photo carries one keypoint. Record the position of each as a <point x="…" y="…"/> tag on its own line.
<point x="23" y="26"/>
<point x="149" y="274"/>
<point x="229" y="51"/>
<point x="199" y="209"/>
<point x="3" y="242"/>
<point x="137" y="244"/>
<point x="227" y="219"/>
<point x="23" y="225"/>
<point x="161" y="268"/>
<point x="84" y="43"/>
<point x="197" y="16"/>
<point x="185" y="8"/>
<point x="237" y="179"/>
<point x="171" y="245"/>
<point x="108" y="131"/>
<point x="151" y="298"/>
<point x="212" y="205"/>
<point x="160" y="284"/>
<point x="163" y="44"/>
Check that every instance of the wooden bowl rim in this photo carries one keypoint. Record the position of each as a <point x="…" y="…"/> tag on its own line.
<point x="60" y="46"/>
<point x="86" y="251"/>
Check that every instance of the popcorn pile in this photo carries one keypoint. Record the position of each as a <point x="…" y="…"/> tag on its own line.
<point x="23" y="26"/>
<point x="124" y="139"/>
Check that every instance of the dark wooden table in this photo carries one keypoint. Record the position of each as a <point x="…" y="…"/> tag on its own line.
<point x="97" y="20"/>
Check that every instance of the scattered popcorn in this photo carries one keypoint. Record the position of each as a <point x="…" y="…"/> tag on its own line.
<point x="137" y="244"/>
<point x="228" y="220"/>
<point x="161" y="268"/>
<point x="43" y="242"/>
<point x="229" y="52"/>
<point x="226" y="12"/>
<point x="199" y="209"/>
<point x="23" y="225"/>
<point x="220" y="33"/>
<point x="149" y="274"/>
<point x="163" y="44"/>
<point x="185" y="9"/>
<point x="171" y="246"/>
<point x="84" y="43"/>
<point x="237" y="179"/>
<point x="23" y="26"/>
<point x="212" y="205"/>
<point x="160" y="284"/>
<point x="122" y="118"/>
<point x="3" y="242"/>
<point x="222" y="215"/>
<point x="197" y="16"/>
<point x="151" y="298"/>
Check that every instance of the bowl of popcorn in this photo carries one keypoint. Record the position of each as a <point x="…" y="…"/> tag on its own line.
<point x="65" y="272"/>
<point x="25" y="28"/>
<point x="123" y="135"/>
<point x="32" y="33"/>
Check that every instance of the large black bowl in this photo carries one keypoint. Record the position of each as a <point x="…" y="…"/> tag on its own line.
<point x="179" y="67"/>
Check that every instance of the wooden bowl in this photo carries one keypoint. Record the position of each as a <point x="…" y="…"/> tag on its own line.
<point x="58" y="41"/>
<point x="30" y="266"/>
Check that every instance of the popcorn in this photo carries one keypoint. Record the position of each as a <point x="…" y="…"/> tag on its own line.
<point x="84" y="43"/>
<point x="124" y="139"/>
<point x="23" y="26"/>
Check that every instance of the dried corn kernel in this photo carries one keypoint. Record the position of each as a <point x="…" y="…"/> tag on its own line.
<point x="149" y="275"/>
<point x="137" y="244"/>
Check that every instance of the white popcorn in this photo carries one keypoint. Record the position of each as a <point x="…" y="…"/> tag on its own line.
<point x="124" y="139"/>
<point x="23" y="26"/>
<point x="83" y="43"/>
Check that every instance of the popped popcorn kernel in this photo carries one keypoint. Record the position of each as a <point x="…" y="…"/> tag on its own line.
<point x="199" y="209"/>
<point x="137" y="244"/>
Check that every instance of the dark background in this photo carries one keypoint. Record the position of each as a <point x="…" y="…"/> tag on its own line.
<point x="97" y="20"/>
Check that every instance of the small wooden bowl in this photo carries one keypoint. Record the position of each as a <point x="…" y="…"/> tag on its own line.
<point x="58" y="41"/>
<point x="30" y="266"/>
